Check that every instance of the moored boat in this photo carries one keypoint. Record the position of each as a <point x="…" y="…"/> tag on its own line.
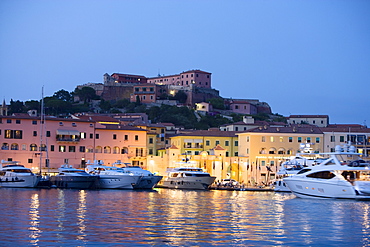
<point x="148" y="180"/>
<point x="111" y="177"/>
<point x="335" y="177"/>
<point x="188" y="178"/>
<point x="13" y="174"/>
<point x="72" y="178"/>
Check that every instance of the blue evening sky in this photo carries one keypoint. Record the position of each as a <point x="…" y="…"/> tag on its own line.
<point x="299" y="56"/>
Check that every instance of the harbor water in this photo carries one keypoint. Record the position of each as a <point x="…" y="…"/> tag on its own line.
<point x="166" y="217"/>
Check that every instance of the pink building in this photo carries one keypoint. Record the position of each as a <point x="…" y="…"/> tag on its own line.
<point x="70" y="141"/>
<point x="243" y="107"/>
<point x="196" y="78"/>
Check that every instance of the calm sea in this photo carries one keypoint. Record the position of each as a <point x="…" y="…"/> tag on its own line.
<point x="164" y="217"/>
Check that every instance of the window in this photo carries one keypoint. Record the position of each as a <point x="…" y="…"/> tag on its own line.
<point x="281" y="139"/>
<point x="272" y="163"/>
<point x="74" y="125"/>
<point x="48" y="133"/>
<point x="290" y="139"/>
<point x="8" y="121"/>
<point x="52" y="148"/>
<point x="43" y="147"/>
<point x="83" y="135"/>
<point x="227" y="154"/>
<point x="263" y="163"/>
<point x="150" y="140"/>
<point x="317" y="139"/>
<point x="136" y="137"/>
<point x="33" y="147"/>
<point x="107" y="150"/>
<point x="263" y="139"/>
<point x="341" y="138"/>
<point x="150" y="152"/>
<point x="98" y="149"/>
<point x="114" y="136"/>
<point x="62" y="149"/>
<point x="126" y="137"/>
<point x="82" y="149"/>
<point x="217" y="142"/>
<point x="14" y="146"/>
<point x="247" y="138"/>
<point x="5" y="146"/>
<point x="322" y="175"/>
<point x="207" y="143"/>
<point x="91" y="136"/>
<point x="72" y="149"/>
<point x="30" y="161"/>
<point x="34" y="133"/>
<point x="236" y="143"/>
<point x="226" y="143"/>
<point x="96" y="136"/>
<point x="34" y="122"/>
<point x="116" y="150"/>
<point x="299" y="139"/>
<point x="17" y="121"/>
<point x="272" y="139"/>
<point x="236" y="154"/>
<point x="308" y="140"/>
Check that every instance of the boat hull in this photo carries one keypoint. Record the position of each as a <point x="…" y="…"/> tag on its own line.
<point x="147" y="182"/>
<point x="281" y="186"/>
<point x="117" y="181"/>
<point x="322" y="189"/>
<point x="19" y="181"/>
<point x="74" y="182"/>
<point x="191" y="183"/>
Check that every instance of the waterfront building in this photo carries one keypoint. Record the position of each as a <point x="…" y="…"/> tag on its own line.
<point x="318" y="120"/>
<point x="266" y="148"/>
<point x="350" y="134"/>
<point x="57" y="141"/>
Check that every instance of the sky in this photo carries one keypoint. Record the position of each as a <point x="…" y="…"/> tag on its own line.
<point x="302" y="57"/>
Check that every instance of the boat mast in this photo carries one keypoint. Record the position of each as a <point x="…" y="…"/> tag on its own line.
<point x="41" y="126"/>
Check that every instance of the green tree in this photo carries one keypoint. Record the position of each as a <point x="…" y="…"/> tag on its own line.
<point x="105" y="105"/>
<point x="63" y="95"/>
<point x="32" y="105"/>
<point x="86" y="94"/>
<point x="181" y="96"/>
<point x="16" y="107"/>
<point x="217" y="103"/>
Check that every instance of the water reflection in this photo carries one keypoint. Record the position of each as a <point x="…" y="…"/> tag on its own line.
<point x="34" y="219"/>
<point x="179" y="218"/>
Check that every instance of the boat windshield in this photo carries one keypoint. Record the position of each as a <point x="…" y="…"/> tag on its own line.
<point x="304" y="170"/>
<point x="19" y="170"/>
<point x="356" y="175"/>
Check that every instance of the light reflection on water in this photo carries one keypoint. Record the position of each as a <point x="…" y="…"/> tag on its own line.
<point x="178" y="218"/>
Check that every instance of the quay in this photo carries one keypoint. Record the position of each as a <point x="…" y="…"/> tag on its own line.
<point x="259" y="189"/>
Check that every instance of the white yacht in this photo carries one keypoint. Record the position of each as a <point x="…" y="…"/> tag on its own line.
<point x="335" y="177"/>
<point x="148" y="180"/>
<point x="73" y="178"/>
<point x="111" y="177"/>
<point x="13" y="174"/>
<point x="289" y="168"/>
<point x="188" y="178"/>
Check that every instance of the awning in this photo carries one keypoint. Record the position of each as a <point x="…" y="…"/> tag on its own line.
<point x="68" y="132"/>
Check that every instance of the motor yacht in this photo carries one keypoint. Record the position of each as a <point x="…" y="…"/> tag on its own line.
<point x="188" y="178"/>
<point x="290" y="168"/>
<point x="148" y="180"/>
<point x="339" y="176"/>
<point x="111" y="177"/>
<point x="13" y="174"/>
<point x="73" y="178"/>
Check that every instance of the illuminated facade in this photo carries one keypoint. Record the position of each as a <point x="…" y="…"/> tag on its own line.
<point x="70" y="141"/>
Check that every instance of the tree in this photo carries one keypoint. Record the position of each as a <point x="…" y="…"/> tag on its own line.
<point x="217" y="103"/>
<point x="16" y="107"/>
<point x="32" y="105"/>
<point x="105" y="105"/>
<point x="181" y="96"/>
<point x="63" y="95"/>
<point x="86" y="94"/>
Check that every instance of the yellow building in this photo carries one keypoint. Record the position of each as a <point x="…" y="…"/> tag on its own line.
<point x="266" y="148"/>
